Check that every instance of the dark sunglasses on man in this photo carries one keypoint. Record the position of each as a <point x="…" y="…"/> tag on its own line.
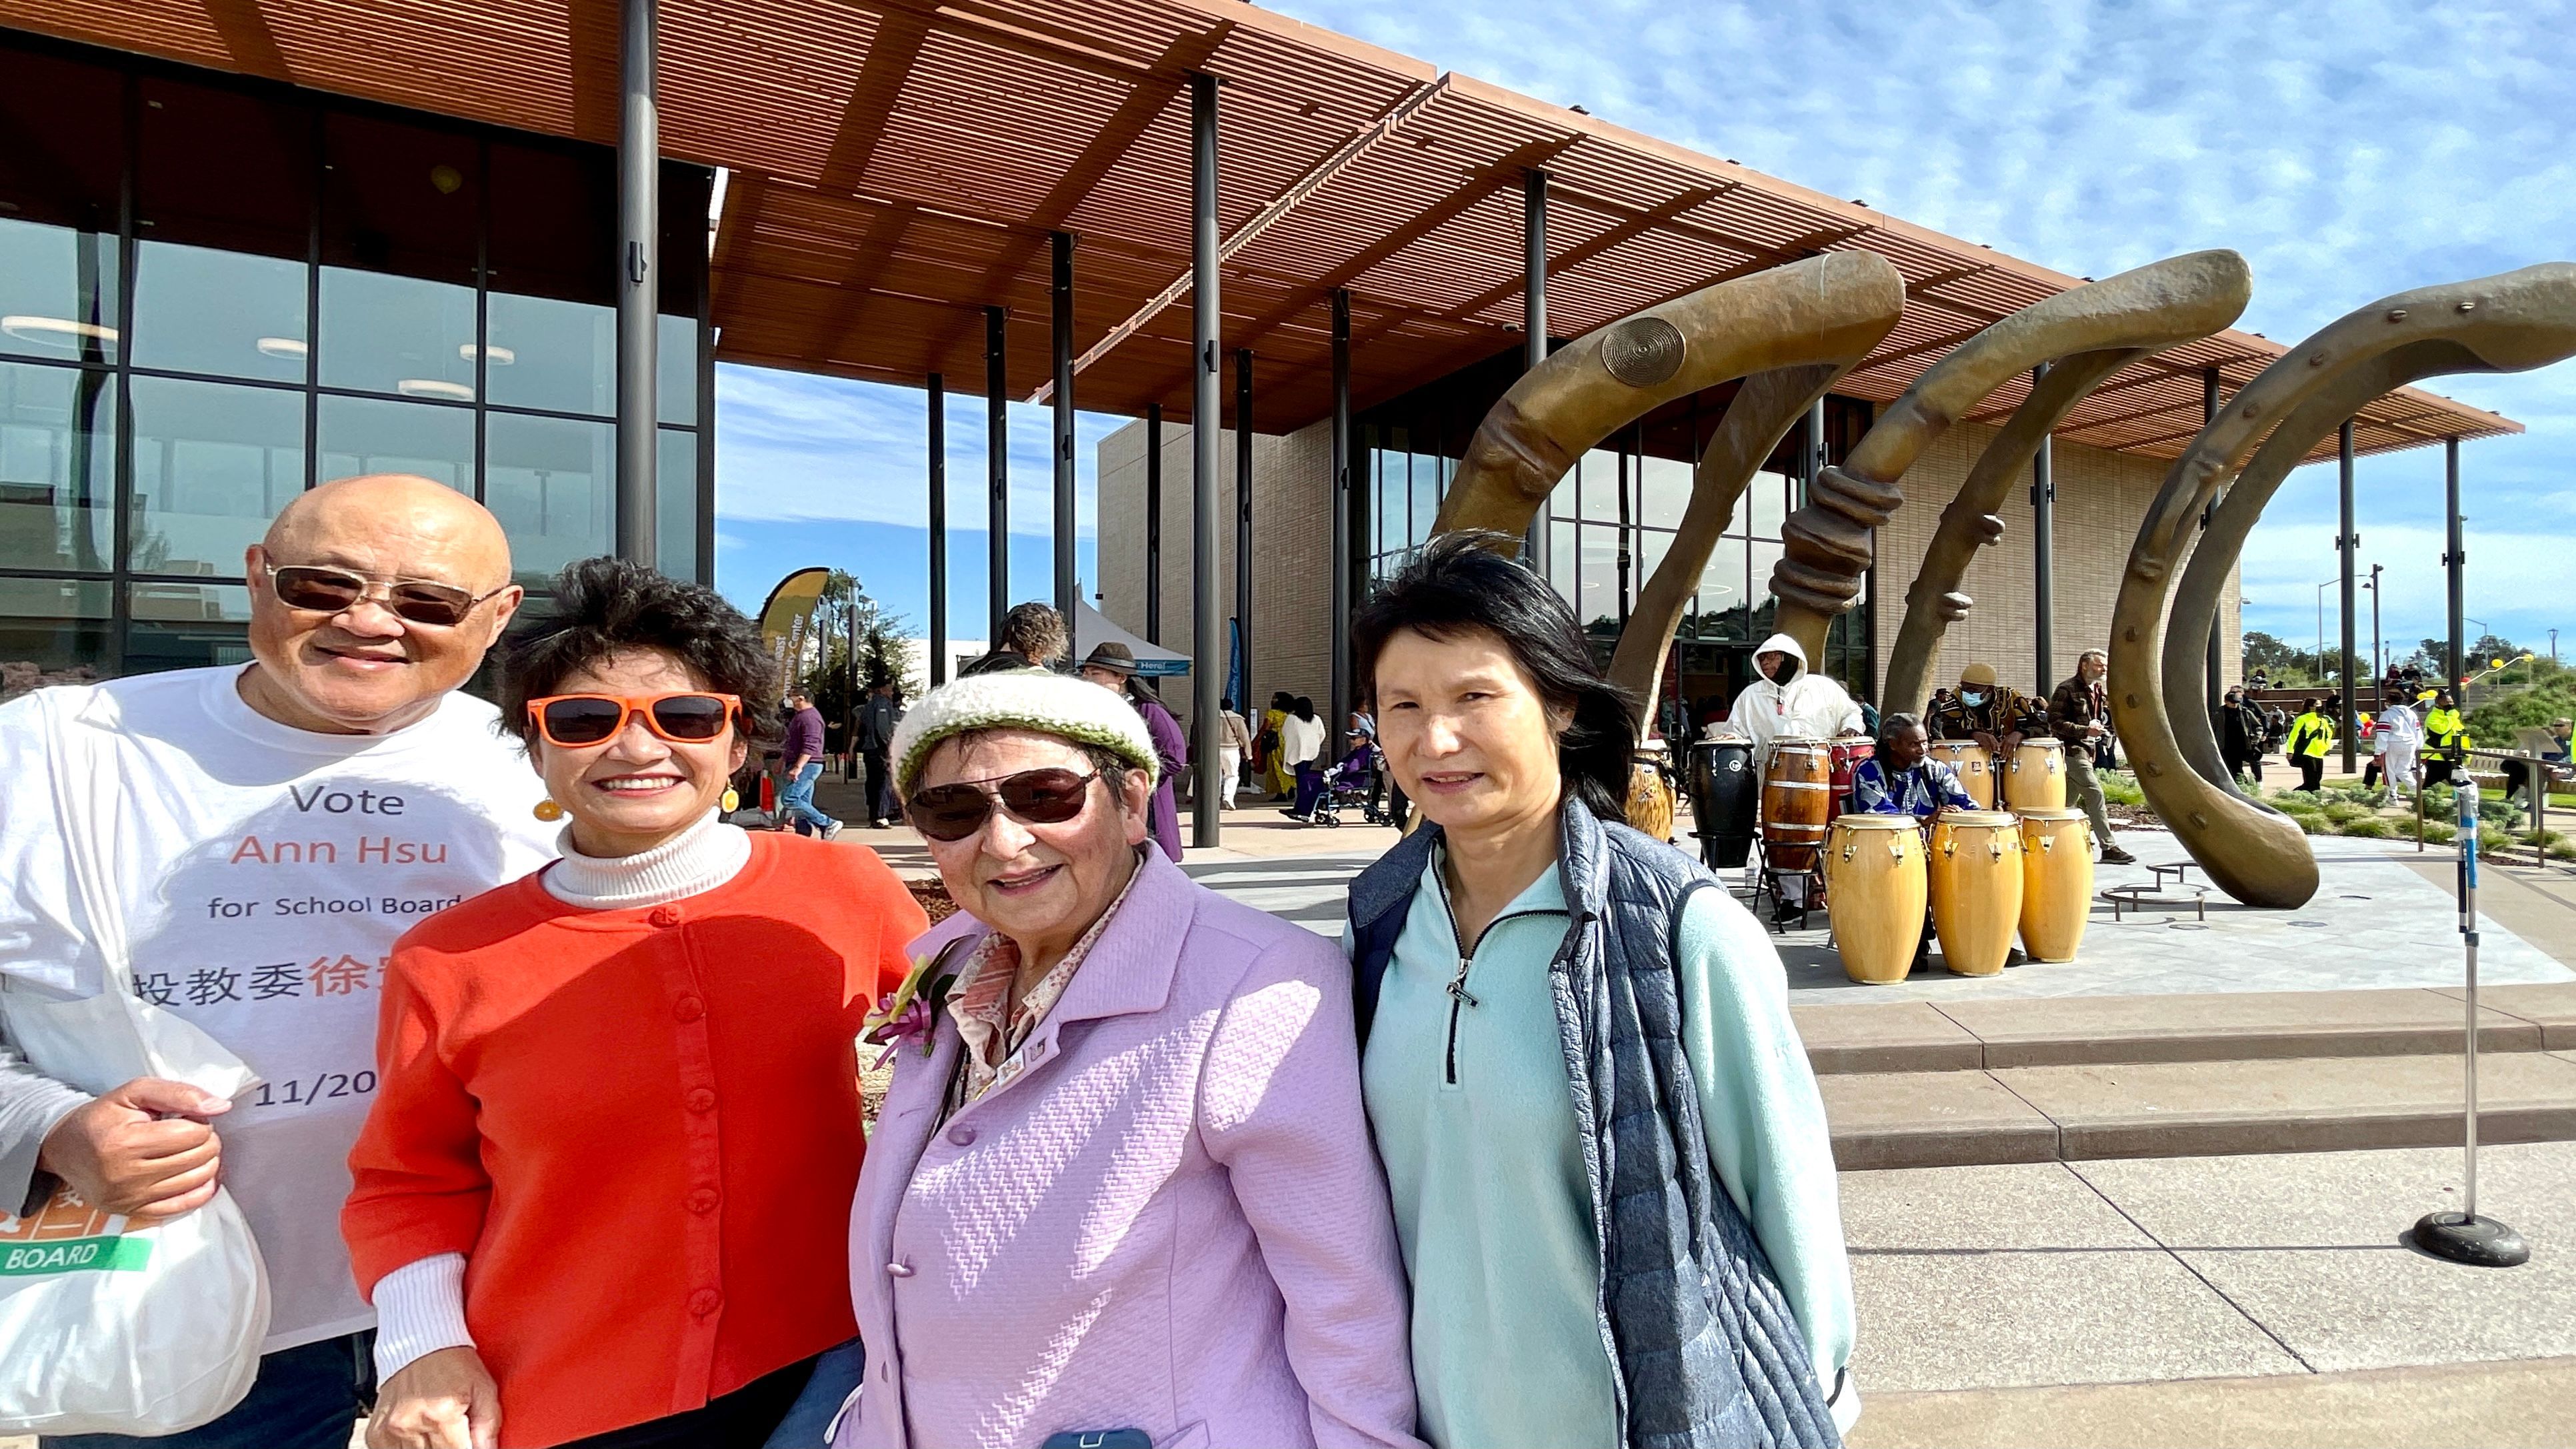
<point x="1036" y="797"/>
<point x="322" y="589"/>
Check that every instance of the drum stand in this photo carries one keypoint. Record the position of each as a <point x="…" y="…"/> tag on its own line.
<point x="1767" y="887"/>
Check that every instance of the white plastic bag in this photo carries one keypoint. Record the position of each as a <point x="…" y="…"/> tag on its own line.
<point x="107" y="1328"/>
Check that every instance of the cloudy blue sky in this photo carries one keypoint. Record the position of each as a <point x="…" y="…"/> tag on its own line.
<point x="2349" y="150"/>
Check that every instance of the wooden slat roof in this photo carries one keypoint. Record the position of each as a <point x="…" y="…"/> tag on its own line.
<point x="898" y="165"/>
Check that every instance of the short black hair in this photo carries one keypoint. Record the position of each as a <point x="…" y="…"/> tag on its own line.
<point x="1459" y="585"/>
<point x="605" y="606"/>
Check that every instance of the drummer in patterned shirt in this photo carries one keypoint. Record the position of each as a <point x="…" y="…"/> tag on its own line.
<point x="1900" y="780"/>
<point x="1994" y="715"/>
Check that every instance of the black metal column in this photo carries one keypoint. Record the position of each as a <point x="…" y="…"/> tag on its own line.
<point x="1341" y="520"/>
<point x="2345" y="542"/>
<point x="938" y="441"/>
<point x="1207" y="617"/>
<point x="2043" y="557"/>
<point x="1243" y="515"/>
<point x="2455" y="559"/>
<point x="1153" y="523"/>
<point x="1068" y="581"/>
<point x="997" y="472"/>
<point x="2208" y="414"/>
<point x="639" y="279"/>
<point x="1533" y="327"/>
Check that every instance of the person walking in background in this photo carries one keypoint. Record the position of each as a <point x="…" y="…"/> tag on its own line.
<point x="2079" y="715"/>
<point x="2402" y="734"/>
<point x="1301" y="748"/>
<point x="877" y="717"/>
<point x="600" y="1195"/>
<point x="1032" y="636"/>
<point x="1237" y="738"/>
<point x="372" y="601"/>
<point x="1112" y="666"/>
<point x="2446" y="741"/>
<point x="1612" y="1177"/>
<point x="2241" y="730"/>
<point x="800" y="767"/>
<point x="1122" y="1179"/>
<point x="2312" y="735"/>
<point x="1274" y="766"/>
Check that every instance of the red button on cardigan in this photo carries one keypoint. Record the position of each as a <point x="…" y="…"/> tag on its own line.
<point x="644" y="1138"/>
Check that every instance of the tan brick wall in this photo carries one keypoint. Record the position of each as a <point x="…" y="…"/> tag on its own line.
<point x="1292" y="600"/>
<point x="2101" y="498"/>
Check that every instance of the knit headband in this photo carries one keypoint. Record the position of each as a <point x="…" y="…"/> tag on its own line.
<point x="1026" y="699"/>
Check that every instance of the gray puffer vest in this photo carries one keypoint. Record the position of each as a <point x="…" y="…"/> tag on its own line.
<point x="1708" y="1351"/>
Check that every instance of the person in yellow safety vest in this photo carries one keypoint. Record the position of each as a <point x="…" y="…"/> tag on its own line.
<point x="2446" y="740"/>
<point x="2311" y="735"/>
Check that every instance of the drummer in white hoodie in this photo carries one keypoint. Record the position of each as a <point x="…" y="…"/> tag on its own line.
<point x="1789" y="701"/>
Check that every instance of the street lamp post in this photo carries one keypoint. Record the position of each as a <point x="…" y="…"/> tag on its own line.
<point x="2321" y="629"/>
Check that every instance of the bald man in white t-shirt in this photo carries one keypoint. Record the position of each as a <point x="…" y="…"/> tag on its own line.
<point x="275" y="826"/>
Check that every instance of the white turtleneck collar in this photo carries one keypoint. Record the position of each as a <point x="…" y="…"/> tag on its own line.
<point x="695" y="861"/>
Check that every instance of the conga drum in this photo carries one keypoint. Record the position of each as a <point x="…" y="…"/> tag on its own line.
<point x="1797" y="798"/>
<point x="1874" y="885"/>
<point x="2037" y="777"/>
<point x="1974" y="764"/>
<point x="1848" y="752"/>
<point x="2056" y="882"/>
<point x="1975" y="877"/>
<point x="1723" y="795"/>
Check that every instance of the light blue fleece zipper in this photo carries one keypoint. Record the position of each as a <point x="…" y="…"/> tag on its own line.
<point x="1468" y="1098"/>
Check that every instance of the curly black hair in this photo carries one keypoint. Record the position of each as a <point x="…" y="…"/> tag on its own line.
<point x="605" y="606"/>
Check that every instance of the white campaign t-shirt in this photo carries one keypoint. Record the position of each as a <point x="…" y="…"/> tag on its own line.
<point x="265" y="873"/>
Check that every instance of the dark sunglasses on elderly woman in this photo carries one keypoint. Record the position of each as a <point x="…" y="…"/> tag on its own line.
<point x="684" y="717"/>
<point x="1038" y="797"/>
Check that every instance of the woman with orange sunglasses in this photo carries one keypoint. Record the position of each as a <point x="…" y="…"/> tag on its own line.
<point x="602" y="1194"/>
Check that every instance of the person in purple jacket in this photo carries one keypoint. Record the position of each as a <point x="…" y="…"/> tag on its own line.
<point x="800" y="765"/>
<point x="1121" y="1189"/>
<point x="1112" y="666"/>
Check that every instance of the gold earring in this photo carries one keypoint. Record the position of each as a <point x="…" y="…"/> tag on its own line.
<point x="549" y="810"/>
<point x="732" y="800"/>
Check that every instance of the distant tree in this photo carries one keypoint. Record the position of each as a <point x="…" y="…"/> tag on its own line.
<point x="878" y="642"/>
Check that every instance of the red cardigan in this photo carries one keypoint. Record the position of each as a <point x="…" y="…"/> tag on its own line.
<point x="641" y="1127"/>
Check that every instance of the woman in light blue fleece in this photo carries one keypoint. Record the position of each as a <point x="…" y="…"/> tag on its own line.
<point x="1612" y="1180"/>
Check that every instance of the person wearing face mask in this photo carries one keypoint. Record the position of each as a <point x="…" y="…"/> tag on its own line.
<point x="1788" y="700"/>
<point x="1996" y="716"/>
<point x="249" y="817"/>
<point x="601" y="1196"/>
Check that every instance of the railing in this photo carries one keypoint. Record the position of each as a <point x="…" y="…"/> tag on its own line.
<point x="2541" y="772"/>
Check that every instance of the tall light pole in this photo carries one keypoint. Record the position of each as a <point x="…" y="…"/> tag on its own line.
<point x="2378" y="661"/>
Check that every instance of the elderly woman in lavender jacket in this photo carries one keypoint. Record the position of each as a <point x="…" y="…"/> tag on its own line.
<point x="1122" y="1179"/>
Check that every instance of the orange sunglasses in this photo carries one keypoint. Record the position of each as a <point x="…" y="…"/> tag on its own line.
<point x="683" y="717"/>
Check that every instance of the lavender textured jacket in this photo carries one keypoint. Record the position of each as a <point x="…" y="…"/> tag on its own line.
<point x="1172" y="1221"/>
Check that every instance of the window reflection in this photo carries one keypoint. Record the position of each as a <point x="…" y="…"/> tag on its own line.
<point x="187" y="626"/>
<point x="552" y="483"/>
<point x="49" y="625"/>
<point x="57" y="292"/>
<point x="212" y="463"/>
<point x="398" y="335"/>
<point x="57" y="467"/>
<point x="560" y="356"/>
<point x="363" y="435"/>
<point x="1663" y="491"/>
<point x="227" y="313"/>
<point x="676" y="367"/>
<point x="675" y="528"/>
<point x="1767" y="502"/>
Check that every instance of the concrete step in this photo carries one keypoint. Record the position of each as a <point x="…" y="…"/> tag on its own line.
<point x="2190" y="1108"/>
<point x="1988" y="1033"/>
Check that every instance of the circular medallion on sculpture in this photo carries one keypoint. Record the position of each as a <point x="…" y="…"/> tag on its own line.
<point x="1643" y="351"/>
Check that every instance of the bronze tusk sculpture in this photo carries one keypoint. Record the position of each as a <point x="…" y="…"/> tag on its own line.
<point x="1806" y="313"/>
<point x="1828" y="544"/>
<point x="2506" y="323"/>
<point x="1762" y="411"/>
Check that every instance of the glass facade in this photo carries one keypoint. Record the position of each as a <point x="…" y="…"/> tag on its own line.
<point x="1611" y="521"/>
<point x="216" y="293"/>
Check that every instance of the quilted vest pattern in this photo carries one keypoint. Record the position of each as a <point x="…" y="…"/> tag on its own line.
<point x="1709" y="1353"/>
